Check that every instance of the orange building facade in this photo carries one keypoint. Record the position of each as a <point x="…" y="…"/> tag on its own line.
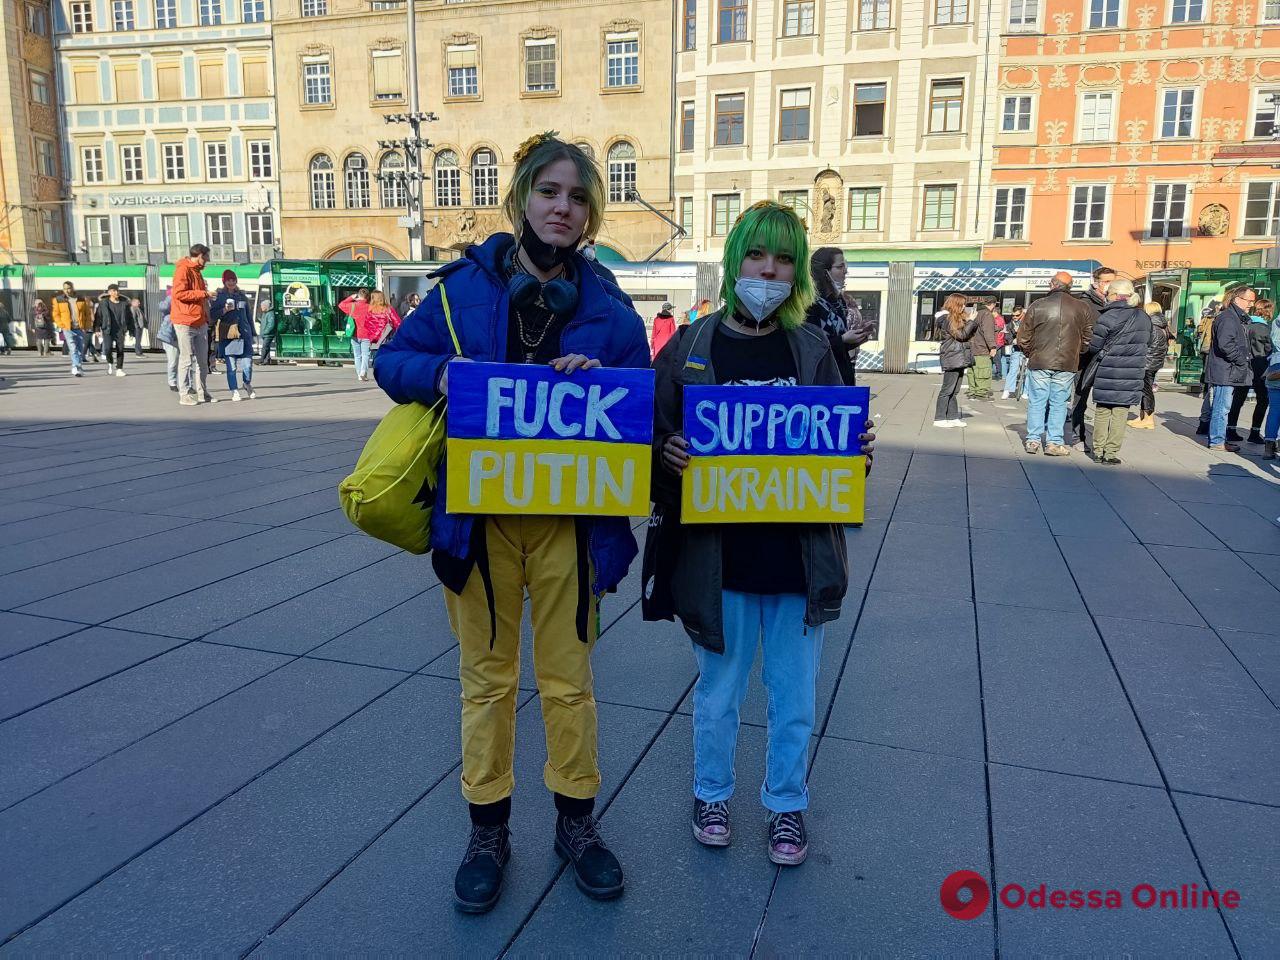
<point x="1140" y="135"/>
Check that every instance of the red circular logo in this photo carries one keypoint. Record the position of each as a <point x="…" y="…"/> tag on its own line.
<point x="979" y="894"/>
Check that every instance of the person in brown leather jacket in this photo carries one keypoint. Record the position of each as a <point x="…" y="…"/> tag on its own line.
<point x="1055" y="331"/>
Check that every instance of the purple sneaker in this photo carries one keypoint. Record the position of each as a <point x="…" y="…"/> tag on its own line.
<point x="788" y="842"/>
<point x="711" y="823"/>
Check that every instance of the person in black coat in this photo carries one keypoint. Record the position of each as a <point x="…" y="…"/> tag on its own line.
<point x="1259" y="336"/>
<point x="830" y="311"/>
<point x="1119" y="344"/>
<point x="1227" y="362"/>
<point x="1156" y="354"/>
<point x="955" y="355"/>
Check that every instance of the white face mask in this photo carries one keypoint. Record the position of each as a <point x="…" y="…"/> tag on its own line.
<point x="837" y="285"/>
<point x="759" y="298"/>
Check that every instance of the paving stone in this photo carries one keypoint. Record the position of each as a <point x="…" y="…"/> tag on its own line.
<point x="273" y="491"/>
<point x="288" y="459"/>
<point x="55" y="846"/>
<point x="1239" y="527"/>
<point x="66" y="521"/>
<point x="1082" y="515"/>
<point x="1061" y="475"/>
<point x="1073" y="833"/>
<point x="994" y="473"/>
<point x="20" y="631"/>
<point x="1218" y="582"/>
<point x="139" y="495"/>
<point x="870" y="884"/>
<point x="82" y="480"/>
<point x="643" y="664"/>
<point x="1266" y="564"/>
<point x="331" y="521"/>
<point x="406" y="637"/>
<point x="927" y="502"/>
<point x="18" y="461"/>
<point x="936" y="468"/>
<point x="914" y="553"/>
<point x="287" y="511"/>
<point x="59" y="738"/>
<point x="1260" y="655"/>
<point x="1213" y="730"/>
<point x="1010" y="509"/>
<point x="54" y="669"/>
<point x="1023" y="569"/>
<point x="1122" y="580"/>
<point x="1052" y="696"/>
<point x="39" y="480"/>
<point x="1154" y="518"/>
<point x="121" y="528"/>
<point x="1262" y="495"/>
<point x="862" y="547"/>
<point x="1187" y="488"/>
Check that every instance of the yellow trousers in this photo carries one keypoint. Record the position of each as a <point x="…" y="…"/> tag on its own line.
<point x="540" y="555"/>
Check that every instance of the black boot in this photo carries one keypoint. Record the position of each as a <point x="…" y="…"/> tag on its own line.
<point x="595" y="869"/>
<point x="478" y="882"/>
<point x="1255" y="436"/>
<point x="1233" y="434"/>
<point x="1202" y="428"/>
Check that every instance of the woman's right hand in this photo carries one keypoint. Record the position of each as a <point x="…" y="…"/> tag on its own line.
<point x="443" y="387"/>
<point x="675" y="454"/>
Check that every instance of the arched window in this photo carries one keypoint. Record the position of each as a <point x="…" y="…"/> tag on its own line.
<point x="323" y="194"/>
<point x="622" y="171"/>
<point x="586" y="148"/>
<point x="448" y="180"/>
<point x="484" y="178"/>
<point x="395" y="195"/>
<point x="355" y="178"/>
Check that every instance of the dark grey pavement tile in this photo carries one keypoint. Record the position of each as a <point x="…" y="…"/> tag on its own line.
<point x="274" y="491"/>
<point x="57" y="739"/>
<point x="1212" y="729"/>
<point x="1082" y="515"/>
<point x="1154" y="518"/>
<point x="936" y="468"/>
<point x="1226" y="590"/>
<point x="233" y="449"/>
<point x="1060" y="475"/>
<point x="1252" y="491"/>
<point x="206" y="609"/>
<point x="20" y="631"/>
<point x="227" y="549"/>
<point x="1122" y="580"/>
<point x="288" y="511"/>
<point x="1267" y="564"/>
<point x="139" y="495"/>
<point x="1073" y="833"/>
<point x="1187" y="487"/>
<point x="406" y="637"/>
<point x="862" y="547"/>
<point x="1023" y="569"/>
<point x="36" y="480"/>
<point x="344" y="460"/>
<point x="266" y="849"/>
<point x="69" y="836"/>
<point x="929" y="502"/>
<point x="1260" y="655"/>
<point x="1052" y="697"/>
<point x="911" y="679"/>
<point x="1239" y="527"/>
<point x="81" y="483"/>
<point x="53" y="669"/>
<point x="1015" y="510"/>
<point x="397" y="897"/>
<point x="1239" y="846"/>
<point x="642" y="664"/>
<point x="870" y="885"/>
<point x="997" y="474"/>
<point x="914" y="553"/>
<point x="122" y="528"/>
<point x="18" y="461"/>
<point x="331" y="521"/>
<point x="65" y="521"/>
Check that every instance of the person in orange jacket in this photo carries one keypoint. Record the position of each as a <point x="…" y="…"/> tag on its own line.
<point x="190" y="316"/>
<point x="74" y="317"/>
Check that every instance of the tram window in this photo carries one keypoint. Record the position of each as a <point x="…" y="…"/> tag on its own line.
<point x="868" y="302"/>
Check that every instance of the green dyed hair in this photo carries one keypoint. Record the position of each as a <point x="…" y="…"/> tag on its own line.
<point x="773" y="228"/>
<point x="533" y="156"/>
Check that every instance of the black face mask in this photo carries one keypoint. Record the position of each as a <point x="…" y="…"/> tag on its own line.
<point x="543" y="255"/>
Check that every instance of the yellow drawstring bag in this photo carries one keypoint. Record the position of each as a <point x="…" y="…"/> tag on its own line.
<point x="390" y="493"/>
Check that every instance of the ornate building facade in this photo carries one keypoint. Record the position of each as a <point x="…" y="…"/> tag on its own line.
<point x="1140" y="135"/>
<point x="495" y="72"/>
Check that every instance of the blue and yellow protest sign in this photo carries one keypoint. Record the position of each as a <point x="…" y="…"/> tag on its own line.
<point x="526" y="439"/>
<point x="774" y="454"/>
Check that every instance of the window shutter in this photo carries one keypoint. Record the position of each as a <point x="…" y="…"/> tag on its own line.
<point x="86" y="84"/>
<point x="388" y="73"/>
<point x="169" y="81"/>
<point x="255" y="79"/>
<point x="127" y="90"/>
<point x="211" y="80"/>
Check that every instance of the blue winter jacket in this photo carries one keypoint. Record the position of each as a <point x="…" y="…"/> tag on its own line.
<point x="604" y="327"/>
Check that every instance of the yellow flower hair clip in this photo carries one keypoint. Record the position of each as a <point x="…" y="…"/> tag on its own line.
<point x="537" y="140"/>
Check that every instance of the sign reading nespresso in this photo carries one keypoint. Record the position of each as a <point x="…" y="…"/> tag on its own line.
<point x="175" y="199"/>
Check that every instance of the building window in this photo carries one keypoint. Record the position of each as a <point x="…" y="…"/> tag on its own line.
<point x="793" y="115"/>
<point x="177" y="236"/>
<point x="323" y="189"/>
<point x="946" y="106"/>
<point x="686" y="126"/>
<point x="725" y="208"/>
<point x="262" y="236"/>
<point x="1089" y="212"/>
<point x="355" y="179"/>
<point x="122" y="15"/>
<point x="1010" y="214"/>
<point x="686" y="215"/>
<point x="939" y="207"/>
<point x="317" y="81"/>
<point x="221" y="240"/>
<point x="41" y="89"/>
<point x="1024" y="15"/>
<point x="168" y="80"/>
<point x="46" y="158"/>
<point x="1271" y="11"/>
<point x="540" y="65"/>
<point x="730" y="115"/>
<point x="1177" y="112"/>
<point x="622" y="67"/>
<point x="92" y="169"/>
<point x="131" y="163"/>
<point x="797" y="18"/>
<point x="798" y="201"/>
<point x="210" y="13"/>
<point x="689" y="23"/>
<point x="948" y="12"/>
<point x="621" y="164"/>
<point x="261" y="162"/>
<point x="395" y="196"/>
<point x="732" y="25"/>
<point x="448" y="179"/>
<point x="1187" y="11"/>
<point x="1016" y="115"/>
<point x="1265" y="117"/>
<point x="133" y="235"/>
<point x="315" y="8"/>
<point x="82" y="16"/>
<point x="1168" y="211"/>
<point x="1262" y="209"/>
<point x="37" y="20"/>
<point x="388" y="74"/>
<point x="253" y="11"/>
<point x="97" y="239"/>
<point x="166" y="14"/>
<point x="484" y="178"/>
<point x="175" y="161"/>
<point x="873" y="14"/>
<point x="216" y="165"/>
<point x="1104" y="14"/>
<point x="1096" y="113"/>
<point x="864" y="208"/>
<point x="868" y="109"/>
<point x="464" y="71"/>
<point x="51" y="226"/>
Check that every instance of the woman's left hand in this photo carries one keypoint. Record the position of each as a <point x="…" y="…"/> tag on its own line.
<point x="574" y="361"/>
<point x="868" y="440"/>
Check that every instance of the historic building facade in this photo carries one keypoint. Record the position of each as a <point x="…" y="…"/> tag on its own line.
<point x="33" y="222"/>
<point x="495" y="72"/>
<point x="1141" y="135"/>
<point x="170" y="127"/>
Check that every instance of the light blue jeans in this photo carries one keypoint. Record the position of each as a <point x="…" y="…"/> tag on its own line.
<point x="75" y="346"/>
<point x="1272" y="426"/>
<point x="1015" y="362"/>
<point x="362" y="350"/>
<point x="792" y="652"/>
<point x="1218" y="415"/>
<point x="245" y="363"/>
<point x="1049" y="389"/>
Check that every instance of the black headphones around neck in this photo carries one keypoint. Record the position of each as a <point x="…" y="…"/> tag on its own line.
<point x="560" y="295"/>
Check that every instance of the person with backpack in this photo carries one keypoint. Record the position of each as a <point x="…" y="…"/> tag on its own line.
<point x="527" y="298"/>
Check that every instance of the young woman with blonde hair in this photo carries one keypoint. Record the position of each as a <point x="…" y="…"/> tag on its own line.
<point x="955" y="356"/>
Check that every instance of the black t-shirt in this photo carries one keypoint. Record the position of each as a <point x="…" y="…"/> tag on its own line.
<point x="758" y="557"/>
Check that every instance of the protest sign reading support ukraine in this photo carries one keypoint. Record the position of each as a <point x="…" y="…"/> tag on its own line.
<point x="526" y="439"/>
<point x="774" y="454"/>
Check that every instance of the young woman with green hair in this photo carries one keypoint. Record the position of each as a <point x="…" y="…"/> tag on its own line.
<point x="739" y="586"/>
<point x="532" y="298"/>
